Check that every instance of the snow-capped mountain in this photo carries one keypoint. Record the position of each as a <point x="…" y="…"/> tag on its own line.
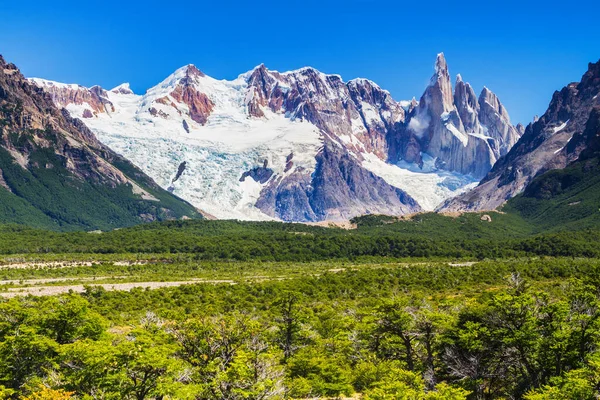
<point x="298" y="145"/>
<point x="551" y="142"/>
<point x="54" y="173"/>
<point x="463" y="133"/>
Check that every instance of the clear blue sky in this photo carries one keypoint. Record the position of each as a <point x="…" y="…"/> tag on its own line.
<point x="521" y="50"/>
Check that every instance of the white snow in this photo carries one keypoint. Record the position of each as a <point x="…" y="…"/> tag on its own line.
<point x="560" y="127"/>
<point x="458" y="134"/>
<point x="47" y="83"/>
<point x="370" y="114"/>
<point x="429" y="186"/>
<point x="217" y="154"/>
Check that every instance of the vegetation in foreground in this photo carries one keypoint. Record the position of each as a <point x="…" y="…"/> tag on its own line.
<point x="306" y="312"/>
<point x="491" y="330"/>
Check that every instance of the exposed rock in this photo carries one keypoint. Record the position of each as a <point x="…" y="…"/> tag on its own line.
<point x="186" y="127"/>
<point x="259" y="174"/>
<point x="339" y="189"/>
<point x="465" y="134"/>
<point x="87" y="113"/>
<point x="546" y="144"/>
<point x="63" y="95"/>
<point x="157" y="113"/>
<point x="122" y="89"/>
<point x="180" y="170"/>
<point x="486" y="218"/>
<point x="338" y="108"/>
<point x="199" y="104"/>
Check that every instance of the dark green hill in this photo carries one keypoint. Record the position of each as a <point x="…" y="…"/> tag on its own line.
<point x="567" y="199"/>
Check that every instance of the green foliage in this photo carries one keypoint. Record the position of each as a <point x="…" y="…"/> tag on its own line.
<point x="565" y="199"/>
<point x="48" y="195"/>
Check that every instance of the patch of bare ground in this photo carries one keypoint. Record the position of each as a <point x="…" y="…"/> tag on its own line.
<point x="65" y="264"/>
<point x="55" y="290"/>
<point x="334" y="224"/>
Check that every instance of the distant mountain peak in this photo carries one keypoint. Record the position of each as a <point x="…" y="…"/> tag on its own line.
<point x="123" y="88"/>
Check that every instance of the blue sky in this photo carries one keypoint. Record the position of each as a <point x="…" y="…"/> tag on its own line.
<point x="521" y="50"/>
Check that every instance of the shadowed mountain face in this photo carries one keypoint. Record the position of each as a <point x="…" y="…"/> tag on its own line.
<point x="54" y="172"/>
<point x="552" y="142"/>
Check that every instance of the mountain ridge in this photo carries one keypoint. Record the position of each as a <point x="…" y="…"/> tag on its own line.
<point x="545" y="145"/>
<point x="292" y="121"/>
<point x="56" y="174"/>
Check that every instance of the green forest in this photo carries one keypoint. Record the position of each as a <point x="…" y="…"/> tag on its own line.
<point x="520" y="328"/>
<point x="496" y="305"/>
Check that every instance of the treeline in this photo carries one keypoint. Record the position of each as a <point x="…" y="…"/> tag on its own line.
<point x="529" y="331"/>
<point x="226" y="240"/>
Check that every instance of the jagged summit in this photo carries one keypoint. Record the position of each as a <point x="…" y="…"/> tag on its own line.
<point x="551" y="141"/>
<point x="463" y="133"/>
<point x="441" y="66"/>
<point x="123" y="88"/>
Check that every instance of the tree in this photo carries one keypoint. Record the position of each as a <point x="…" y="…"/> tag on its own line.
<point x="396" y="322"/>
<point x="45" y="393"/>
<point x="289" y="325"/>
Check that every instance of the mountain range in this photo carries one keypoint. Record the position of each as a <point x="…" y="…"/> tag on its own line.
<point x="293" y="146"/>
<point x="299" y="145"/>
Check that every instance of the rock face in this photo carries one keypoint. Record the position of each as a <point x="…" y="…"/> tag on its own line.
<point x="550" y="142"/>
<point x="72" y="180"/>
<point x="95" y="98"/>
<point x="339" y="189"/>
<point x="358" y="107"/>
<point x="333" y="149"/>
<point x="463" y="133"/>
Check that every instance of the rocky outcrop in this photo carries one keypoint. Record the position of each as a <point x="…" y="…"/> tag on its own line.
<point x="359" y="109"/>
<point x="95" y="98"/>
<point x="463" y="133"/>
<point x="339" y="189"/>
<point x="199" y="105"/>
<point x="259" y="174"/>
<point x="550" y="142"/>
<point x="122" y="89"/>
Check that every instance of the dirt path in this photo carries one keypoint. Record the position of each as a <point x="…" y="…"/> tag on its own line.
<point x="54" y="290"/>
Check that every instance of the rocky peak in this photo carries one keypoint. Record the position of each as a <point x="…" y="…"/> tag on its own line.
<point x="465" y="134"/>
<point x="185" y="87"/>
<point x="63" y="95"/>
<point x="466" y="104"/>
<point x="551" y="142"/>
<point x="440" y="81"/>
<point x="487" y="96"/>
<point x="192" y="71"/>
<point x="123" y="88"/>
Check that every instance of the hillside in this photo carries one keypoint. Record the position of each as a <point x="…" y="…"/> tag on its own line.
<point x="55" y="174"/>
<point x="569" y="198"/>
